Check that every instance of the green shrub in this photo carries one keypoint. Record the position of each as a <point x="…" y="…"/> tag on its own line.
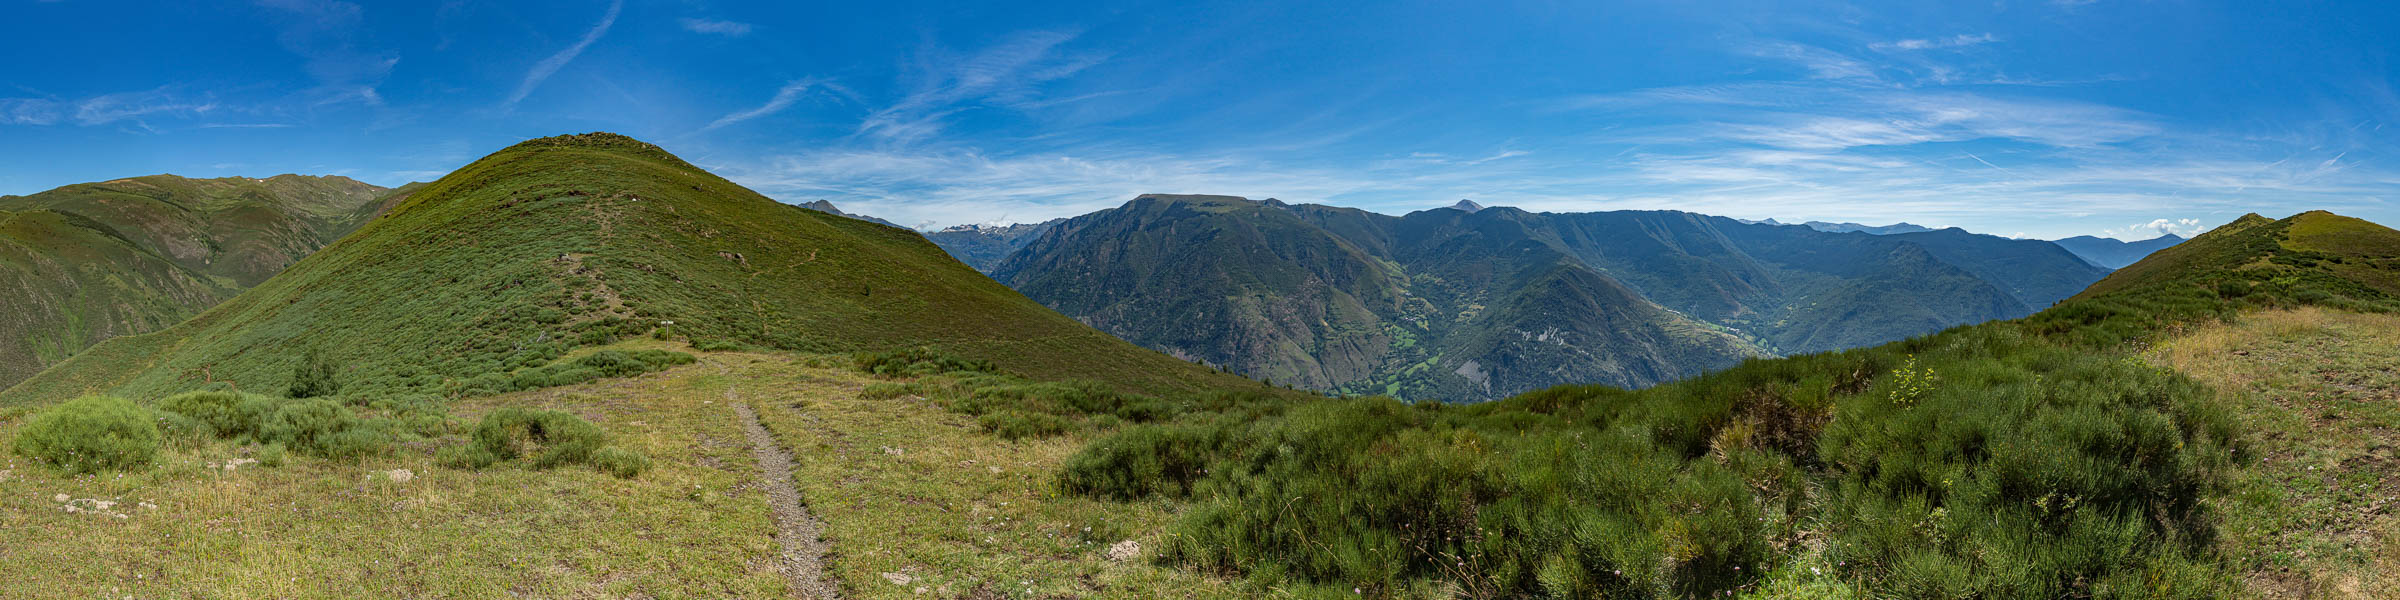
<point x="550" y="438"/>
<point x="620" y="462"/>
<point x="315" y="376"/>
<point x="614" y="363"/>
<point x="255" y="411"/>
<point x="178" y="428"/>
<point x="91" y="434"/>
<point x="1143" y="461"/>
<point x="465" y="456"/>
<point x="910" y="362"/>
<point x="605" y="363"/>
<point x="323" y="428"/>
<point x="217" y="413"/>
<point x="272" y="455"/>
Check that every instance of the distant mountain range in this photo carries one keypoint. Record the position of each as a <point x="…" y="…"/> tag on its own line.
<point x="1848" y="227"/>
<point x="87" y="262"/>
<point x="826" y="206"/>
<point x="1470" y="302"/>
<point x="983" y="246"/>
<point x="2113" y="253"/>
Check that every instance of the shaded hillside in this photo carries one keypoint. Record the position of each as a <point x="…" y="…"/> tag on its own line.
<point x="564" y="242"/>
<point x="239" y="230"/>
<point x="88" y="262"/>
<point x="1418" y="305"/>
<point x="69" y="282"/>
<point x="1281" y="292"/>
<point x="2115" y="254"/>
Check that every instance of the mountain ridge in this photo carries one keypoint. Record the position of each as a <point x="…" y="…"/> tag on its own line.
<point x="1338" y="298"/>
<point x="563" y="242"/>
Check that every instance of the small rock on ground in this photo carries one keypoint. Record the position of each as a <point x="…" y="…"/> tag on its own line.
<point x="898" y="578"/>
<point x="1124" y="551"/>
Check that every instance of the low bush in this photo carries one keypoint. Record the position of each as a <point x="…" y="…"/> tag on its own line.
<point x="546" y="439"/>
<point x="550" y="438"/>
<point x="1981" y="463"/>
<point x="605" y="363"/>
<point x="1144" y="461"/>
<point x="315" y="376"/>
<point x="615" y="363"/>
<point x="91" y="434"/>
<point x="914" y="362"/>
<point x="323" y="428"/>
<point x="217" y="413"/>
<point x="620" y="462"/>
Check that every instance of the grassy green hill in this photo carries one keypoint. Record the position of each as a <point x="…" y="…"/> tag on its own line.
<point x="559" y="243"/>
<point x="2043" y="457"/>
<point x="88" y="262"/>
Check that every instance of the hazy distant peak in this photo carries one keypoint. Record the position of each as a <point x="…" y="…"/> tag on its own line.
<point x="1466" y="205"/>
<point x="827" y="207"/>
<point x="1872" y="229"/>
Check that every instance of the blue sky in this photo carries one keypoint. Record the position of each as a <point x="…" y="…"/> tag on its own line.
<point x="2047" y="119"/>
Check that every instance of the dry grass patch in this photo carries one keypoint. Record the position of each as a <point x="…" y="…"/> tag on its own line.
<point x="2318" y="515"/>
<point x="694" y="525"/>
<point x="915" y="497"/>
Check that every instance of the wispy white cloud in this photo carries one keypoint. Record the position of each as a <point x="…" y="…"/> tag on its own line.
<point x="1956" y="41"/>
<point x="2185" y="227"/>
<point x="784" y="97"/>
<point x="103" y="109"/>
<point x="324" y="32"/>
<point x="716" y="27"/>
<point x="31" y="111"/>
<point x="1820" y="63"/>
<point x="1007" y="74"/>
<point x="542" y="70"/>
<point x="132" y="106"/>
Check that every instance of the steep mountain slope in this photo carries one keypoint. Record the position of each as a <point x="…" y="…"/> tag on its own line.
<point x="1322" y="297"/>
<point x="69" y="282"/>
<point x="87" y="262"/>
<point x="382" y="202"/>
<point x="239" y="230"/>
<point x="1798" y="289"/>
<point x="2034" y="272"/>
<point x="568" y="241"/>
<point x="2115" y="254"/>
<point x="984" y="246"/>
<point x="1418" y="305"/>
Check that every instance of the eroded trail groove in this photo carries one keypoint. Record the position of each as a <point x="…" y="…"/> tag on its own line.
<point x="803" y="551"/>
